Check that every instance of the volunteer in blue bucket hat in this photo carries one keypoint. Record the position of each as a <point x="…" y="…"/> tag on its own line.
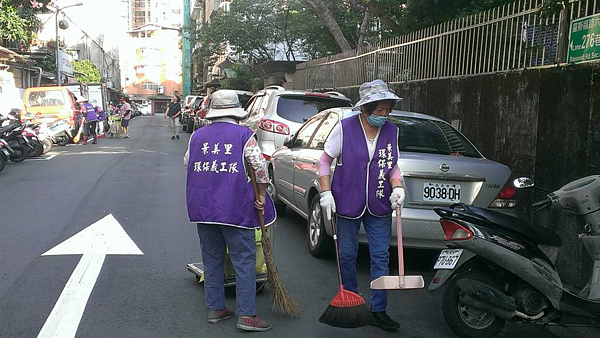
<point x="366" y="188"/>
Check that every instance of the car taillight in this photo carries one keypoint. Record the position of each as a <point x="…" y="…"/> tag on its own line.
<point x="274" y="127"/>
<point x="267" y="157"/>
<point x="505" y="198"/>
<point x="455" y="231"/>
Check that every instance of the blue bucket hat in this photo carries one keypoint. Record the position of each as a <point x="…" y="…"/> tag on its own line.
<point x="376" y="90"/>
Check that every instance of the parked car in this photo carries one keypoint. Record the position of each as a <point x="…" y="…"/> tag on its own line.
<point x="187" y="113"/>
<point x="200" y="109"/>
<point x="275" y="113"/>
<point x="52" y="103"/>
<point x="439" y="165"/>
<point x="244" y="96"/>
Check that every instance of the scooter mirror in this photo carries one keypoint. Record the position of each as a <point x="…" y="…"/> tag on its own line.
<point x="523" y="182"/>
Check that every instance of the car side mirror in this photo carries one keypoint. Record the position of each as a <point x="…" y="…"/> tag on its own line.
<point x="289" y="141"/>
<point x="523" y="182"/>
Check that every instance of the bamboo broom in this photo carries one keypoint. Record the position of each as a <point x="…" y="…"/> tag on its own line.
<point x="282" y="300"/>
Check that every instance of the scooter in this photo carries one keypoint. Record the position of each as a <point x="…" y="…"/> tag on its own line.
<point x="499" y="268"/>
<point x="4" y="153"/>
<point x="17" y="144"/>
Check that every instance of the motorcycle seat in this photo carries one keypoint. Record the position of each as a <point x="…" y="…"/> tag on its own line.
<point x="538" y="234"/>
<point x="10" y="127"/>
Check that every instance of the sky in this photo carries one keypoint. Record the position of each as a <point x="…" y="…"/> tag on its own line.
<point x="95" y="17"/>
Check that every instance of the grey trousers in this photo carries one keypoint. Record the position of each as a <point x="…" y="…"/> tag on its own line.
<point x="174" y="126"/>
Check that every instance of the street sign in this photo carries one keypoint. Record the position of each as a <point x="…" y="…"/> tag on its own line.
<point x="105" y="237"/>
<point x="584" y="39"/>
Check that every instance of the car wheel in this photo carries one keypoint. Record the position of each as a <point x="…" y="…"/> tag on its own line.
<point x="279" y="206"/>
<point x="319" y="243"/>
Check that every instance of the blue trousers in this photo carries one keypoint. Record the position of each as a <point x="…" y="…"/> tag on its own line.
<point x="242" y="252"/>
<point x="379" y="232"/>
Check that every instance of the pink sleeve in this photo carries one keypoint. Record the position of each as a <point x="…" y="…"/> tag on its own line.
<point x="395" y="173"/>
<point x="325" y="165"/>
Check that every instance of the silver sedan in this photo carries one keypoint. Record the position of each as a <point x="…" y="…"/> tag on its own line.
<point x="439" y="165"/>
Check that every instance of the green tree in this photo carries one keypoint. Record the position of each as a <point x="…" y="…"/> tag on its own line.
<point x="18" y="21"/>
<point x="86" y="71"/>
<point x="241" y="78"/>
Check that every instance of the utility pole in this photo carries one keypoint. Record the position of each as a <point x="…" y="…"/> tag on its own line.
<point x="186" y="50"/>
<point x="58" y="9"/>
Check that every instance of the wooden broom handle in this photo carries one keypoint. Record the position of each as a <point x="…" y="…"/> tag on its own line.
<point x="256" y="194"/>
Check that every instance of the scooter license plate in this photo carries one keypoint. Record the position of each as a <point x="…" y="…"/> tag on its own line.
<point x="448" y="259"/>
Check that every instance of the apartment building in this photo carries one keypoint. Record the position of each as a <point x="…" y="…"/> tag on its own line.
<point x="151" y="58"/>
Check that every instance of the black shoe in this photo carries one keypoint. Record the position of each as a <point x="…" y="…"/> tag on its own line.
<point x="177" y="137"/>
<point x="172" y="137"/>
<point x="382" y="320"/>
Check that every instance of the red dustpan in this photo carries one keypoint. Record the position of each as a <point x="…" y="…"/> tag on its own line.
<point x="401" y="282"/>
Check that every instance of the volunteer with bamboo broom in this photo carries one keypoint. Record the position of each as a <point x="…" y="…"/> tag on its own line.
<point x="220" y="199"/>
<point x="366" y="187"/>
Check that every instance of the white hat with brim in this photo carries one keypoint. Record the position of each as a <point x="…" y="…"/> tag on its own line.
<point x="225" y="103"/>
<point x="376" y="90"/>
<point x="81" y="99"/>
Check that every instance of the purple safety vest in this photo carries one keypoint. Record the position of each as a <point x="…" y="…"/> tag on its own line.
<point x="219" y="190"/>
<point x="90" y="112"/>
<point x="359" y="184"/>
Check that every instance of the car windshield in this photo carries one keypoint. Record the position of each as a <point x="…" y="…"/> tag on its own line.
<point x="46" y="98"/>
<point x="431" y="136"/>
<point x="244" y="98"/>
<point x="197" y="103"/>
<point x="301" y="108"/>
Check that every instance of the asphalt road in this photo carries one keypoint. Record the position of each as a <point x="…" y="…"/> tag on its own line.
<point x="141" y="183"/>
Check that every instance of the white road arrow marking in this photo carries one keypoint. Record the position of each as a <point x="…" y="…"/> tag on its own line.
<point x="105" y="237"/>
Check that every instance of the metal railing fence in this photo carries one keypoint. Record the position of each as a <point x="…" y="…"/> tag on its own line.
<point x="513" y="36"/>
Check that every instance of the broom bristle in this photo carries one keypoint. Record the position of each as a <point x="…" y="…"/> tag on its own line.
<point x="283" y="302"/>
<point x="347" y="317"/>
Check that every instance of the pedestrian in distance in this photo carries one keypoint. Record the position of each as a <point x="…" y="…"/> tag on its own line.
<point x="90" y="120"/>
<point x="125" y="115"/>
<point x="172" y="112"/>
<point x="100" y="129"/>
<point x="114" y="122"/>
<point x="220" y="199"/>
<point x="366" y="188"/>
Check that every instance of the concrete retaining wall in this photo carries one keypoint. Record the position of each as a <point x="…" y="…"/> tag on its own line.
<point x="542" y="123"/>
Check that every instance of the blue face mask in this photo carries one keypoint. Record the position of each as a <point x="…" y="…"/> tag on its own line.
<point x="376" y="121"/>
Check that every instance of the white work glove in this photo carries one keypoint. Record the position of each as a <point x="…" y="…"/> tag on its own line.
<point x="397" y="197"/>
<point x="327" y="203"/>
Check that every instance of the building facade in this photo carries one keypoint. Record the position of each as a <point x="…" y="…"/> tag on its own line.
<point x="151" y="56"/>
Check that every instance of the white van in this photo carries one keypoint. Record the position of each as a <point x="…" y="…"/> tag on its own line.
<point x="10" y="97"/>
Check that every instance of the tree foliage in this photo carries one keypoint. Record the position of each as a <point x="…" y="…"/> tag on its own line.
<point x="242" y="78"/>
<point x="258" y="30"/>
<point x="86" y="72"/>
<point x="18" y="21"/>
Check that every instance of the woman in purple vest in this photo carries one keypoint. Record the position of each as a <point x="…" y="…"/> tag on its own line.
<point x="220" y="199"/>
<point x="366" y="187"/>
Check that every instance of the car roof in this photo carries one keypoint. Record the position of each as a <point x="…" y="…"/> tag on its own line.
<point x="243" y="92"/>
<point x="282" y="91"/>
<point x="347" y="112"/>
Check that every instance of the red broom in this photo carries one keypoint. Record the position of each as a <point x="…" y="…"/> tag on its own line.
<point x="347" y="309"/>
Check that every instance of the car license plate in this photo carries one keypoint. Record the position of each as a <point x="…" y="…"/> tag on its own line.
<point x="448" y="259"/>
<point x="440" y="192"/>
